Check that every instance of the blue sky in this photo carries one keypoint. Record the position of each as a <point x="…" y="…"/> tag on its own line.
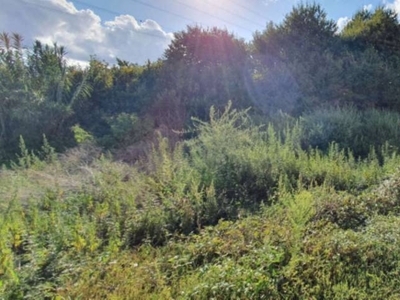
<point x="138" y="30"/>
<point x="248" y="15"/>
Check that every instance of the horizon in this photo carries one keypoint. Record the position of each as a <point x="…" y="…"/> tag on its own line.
<point x="138" y="30"/>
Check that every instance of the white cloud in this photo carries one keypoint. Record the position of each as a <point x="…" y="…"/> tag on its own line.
<point x="368" y="7"/>
<point x="393" y="5"/>
<point x="82" y="31"/>
<point x="342" y="22"/>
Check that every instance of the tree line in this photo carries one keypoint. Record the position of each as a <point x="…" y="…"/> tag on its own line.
<point x="297" y="66"/>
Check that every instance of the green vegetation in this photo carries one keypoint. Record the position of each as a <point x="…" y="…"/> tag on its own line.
<point x="287" y="222"/>
<point x="141" y="182"/>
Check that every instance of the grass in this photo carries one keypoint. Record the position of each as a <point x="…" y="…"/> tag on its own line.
<point x="239" y="211"/>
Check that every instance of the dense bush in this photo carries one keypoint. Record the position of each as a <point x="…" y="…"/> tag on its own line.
<point x="296" y="222"/>
<point x="351" y="129"/>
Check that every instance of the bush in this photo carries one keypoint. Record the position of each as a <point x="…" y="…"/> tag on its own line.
<point x="71" y="225"/>
<point x="351" y="129"/>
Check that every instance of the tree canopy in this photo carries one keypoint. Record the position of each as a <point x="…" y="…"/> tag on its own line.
<point x="295" y="66"/>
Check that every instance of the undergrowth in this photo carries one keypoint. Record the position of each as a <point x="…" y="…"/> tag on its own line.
<point x="237" y="212"/>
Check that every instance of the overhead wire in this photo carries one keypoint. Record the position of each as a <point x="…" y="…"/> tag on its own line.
<point x="248" y="9"/>
<point x="201" y="11"/>
<point x="159" y="9"/>
<point x="103" y="9"/>
<point x="164" y="10"/>
<point x="211" y="15"/>
<point x="235" y="14"/>
<point x="115" y="13"/>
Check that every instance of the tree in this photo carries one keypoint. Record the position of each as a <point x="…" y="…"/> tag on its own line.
<point x="37" y="94"/>
<point x="205" y="67"/>
<point x="379" y="29"/>
<point x="373" y="43"/>
<point x="304" y="30"/>
<point x="294" y="61"/>
<point x="13" y="85"/>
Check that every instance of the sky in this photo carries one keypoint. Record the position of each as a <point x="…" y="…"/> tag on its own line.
<point x="140" y="30"/>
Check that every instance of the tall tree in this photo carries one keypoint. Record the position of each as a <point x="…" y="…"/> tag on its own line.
<point x="372" y="66"/>
<point x="379" y="29"/>
<point x="13" y="83"/>
<point x="296" y="60"/>
<point x="37" y="94"/>
<point x="206" y="67"/>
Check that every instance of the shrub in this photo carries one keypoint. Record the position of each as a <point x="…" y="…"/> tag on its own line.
<point x="351" y="129"/>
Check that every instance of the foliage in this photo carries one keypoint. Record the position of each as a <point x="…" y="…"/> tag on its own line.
<point x="241" y="203"/>
<point x="40" y="92"/>
<point x="294" y="52"/>
<point x="209" y="67"/>
<point x="297" y="66"/>
<point x="81" y="136"/>
<point x="351" y="129"/>
<point x="237" y="211"/>
<point x="378" y="29"/>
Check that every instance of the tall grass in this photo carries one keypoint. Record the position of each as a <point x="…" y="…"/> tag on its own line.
<point x="351" y="129"/>
<point x="80" y="213"/>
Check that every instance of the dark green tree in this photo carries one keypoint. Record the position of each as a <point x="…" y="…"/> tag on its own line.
<point x="295" y="61"/>
<point x="205" y="67"/>
<point x="379" y="30"/>
<point x="13" y="83"/>
<point x="38" y="92"/>
<point x="371" y="66"/>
